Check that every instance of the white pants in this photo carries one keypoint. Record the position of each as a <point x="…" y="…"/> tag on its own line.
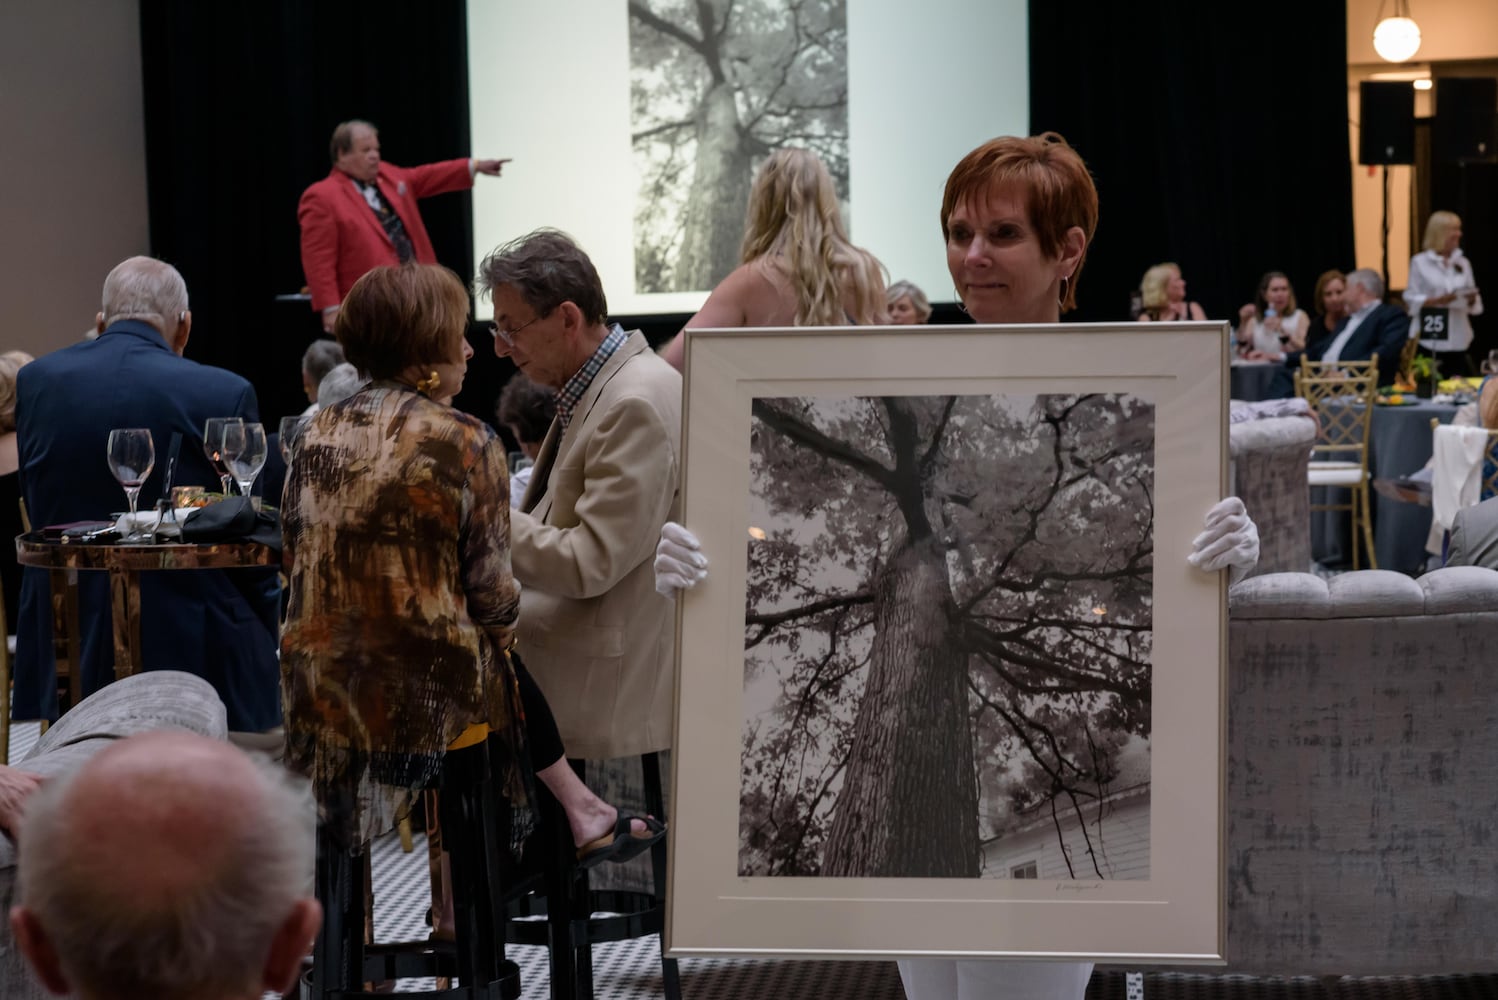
<point x="944" y="979"/>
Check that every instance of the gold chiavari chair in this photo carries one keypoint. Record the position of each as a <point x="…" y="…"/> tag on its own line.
<point x="1341" y="396"/>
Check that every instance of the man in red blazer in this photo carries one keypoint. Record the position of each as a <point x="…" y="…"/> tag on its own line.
<point x="363" y="214"/>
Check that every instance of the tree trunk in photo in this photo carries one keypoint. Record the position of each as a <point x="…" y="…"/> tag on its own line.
<point x="909" y="804"/>
<point x="720" y="190"/>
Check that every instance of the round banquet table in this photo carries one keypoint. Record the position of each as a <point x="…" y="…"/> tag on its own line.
<point x="124" y="563"/>
<point x="1399" y="444"/>
<point x="1250" y="380"/>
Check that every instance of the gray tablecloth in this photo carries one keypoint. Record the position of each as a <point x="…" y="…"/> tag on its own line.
<point x="1400" y="445"/>
<point x="1250" y="380"/>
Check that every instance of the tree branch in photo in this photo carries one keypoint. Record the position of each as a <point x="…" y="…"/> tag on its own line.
<point x="809" y="437"/>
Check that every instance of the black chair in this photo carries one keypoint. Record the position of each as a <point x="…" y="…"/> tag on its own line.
<point x="561" y="893"/>
<point x="475" y="828"/>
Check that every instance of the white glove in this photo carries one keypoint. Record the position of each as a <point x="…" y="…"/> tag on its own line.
<point x="1231" y="539"/>
<point x="679" y="562"/>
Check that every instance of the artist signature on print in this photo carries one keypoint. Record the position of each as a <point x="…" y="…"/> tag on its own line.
<point x="1076" y="886"/>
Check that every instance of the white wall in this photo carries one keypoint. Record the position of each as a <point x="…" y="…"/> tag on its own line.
<point x="1450" y="31"/>
<point x="72" y="162"/>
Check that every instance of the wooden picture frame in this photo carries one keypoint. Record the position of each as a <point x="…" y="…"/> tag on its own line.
<point x="1076" y="459"/>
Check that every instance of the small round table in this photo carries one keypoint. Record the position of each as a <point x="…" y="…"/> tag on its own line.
<point x="124" y="564"/>
<point x="1251" y="380"/>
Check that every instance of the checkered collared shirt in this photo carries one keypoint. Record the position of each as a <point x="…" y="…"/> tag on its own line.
<point x="572" y="393"/>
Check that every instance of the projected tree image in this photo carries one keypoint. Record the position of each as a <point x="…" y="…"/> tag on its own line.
<point x="948" y="628"/>
<point x="716" y="85"/>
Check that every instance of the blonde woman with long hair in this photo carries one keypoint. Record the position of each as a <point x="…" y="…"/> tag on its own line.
<point x="799" y="267"/>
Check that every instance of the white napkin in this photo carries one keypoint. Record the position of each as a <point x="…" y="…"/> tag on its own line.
<point x="145" y="521"/>
<point x="1458" y="471"/>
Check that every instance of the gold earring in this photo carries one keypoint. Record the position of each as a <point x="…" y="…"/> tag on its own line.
<point x="429" y="385"/>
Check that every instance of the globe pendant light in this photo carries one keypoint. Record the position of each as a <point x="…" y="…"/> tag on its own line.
<point x="1396" y="38"/>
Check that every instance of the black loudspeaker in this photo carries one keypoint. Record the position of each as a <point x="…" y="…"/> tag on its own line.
<point x="1388" y="123"/>
<point x="1466" y="124"/>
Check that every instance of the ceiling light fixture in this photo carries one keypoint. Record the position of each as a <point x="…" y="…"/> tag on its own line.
<point x="1396" y="38"/>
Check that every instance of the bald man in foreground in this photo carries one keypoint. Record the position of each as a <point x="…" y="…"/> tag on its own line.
<point x="169" y="866"/>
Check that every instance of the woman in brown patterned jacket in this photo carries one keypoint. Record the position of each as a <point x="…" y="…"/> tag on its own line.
<point x="402" y="604"/>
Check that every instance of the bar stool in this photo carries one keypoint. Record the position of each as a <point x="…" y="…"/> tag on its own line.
<point x="476" y="826"/>
<point x="562" y="894"/>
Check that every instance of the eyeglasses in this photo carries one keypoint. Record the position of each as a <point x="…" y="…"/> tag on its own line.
<point x="508" y="336"/>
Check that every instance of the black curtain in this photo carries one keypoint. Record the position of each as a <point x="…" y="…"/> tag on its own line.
<point x="240" y="101"/>
<point x="1217" y="134"/>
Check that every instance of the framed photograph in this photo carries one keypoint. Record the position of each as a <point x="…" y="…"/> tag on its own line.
<point x="923" y="709"/>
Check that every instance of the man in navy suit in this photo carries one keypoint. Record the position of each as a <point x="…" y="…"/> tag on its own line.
<point x="1371" y="325"/>
<point x="219" y="624"/>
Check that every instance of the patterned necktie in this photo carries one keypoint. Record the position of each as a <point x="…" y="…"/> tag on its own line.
<point x="394" y="228"/>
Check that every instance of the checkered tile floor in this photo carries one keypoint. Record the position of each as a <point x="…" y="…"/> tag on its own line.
<point x="626" y="970"/>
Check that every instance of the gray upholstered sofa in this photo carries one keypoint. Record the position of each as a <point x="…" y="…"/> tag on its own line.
<point x="1269" y="463"/>
<point x="1363" y="774"/>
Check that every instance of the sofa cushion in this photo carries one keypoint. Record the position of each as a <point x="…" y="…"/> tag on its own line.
<point x="1369" y="593"/>
<point x="1460" y="589"/>
<point x="1375" y="593"/>
<point x="1280" y="595"/>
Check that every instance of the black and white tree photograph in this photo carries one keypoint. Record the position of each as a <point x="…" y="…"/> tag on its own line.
<point x="947" y="634"/>
<point x="716" y="85"/>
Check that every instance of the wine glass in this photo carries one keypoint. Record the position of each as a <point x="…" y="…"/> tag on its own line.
<point x="244" y="453"/>
<point x="290" y="433"/>
<point x="213" y="446"/>
<point x="132" y="455"/>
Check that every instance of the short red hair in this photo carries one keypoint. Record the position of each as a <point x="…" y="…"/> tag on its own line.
<point x="1057" y="189"/>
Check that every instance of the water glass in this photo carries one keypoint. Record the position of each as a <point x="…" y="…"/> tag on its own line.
<point x="132" y="455"/>
<point x="244" y="453"/>
<point x="213" y="447"/>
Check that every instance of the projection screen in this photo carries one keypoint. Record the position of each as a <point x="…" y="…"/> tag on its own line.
<point x="636" y="126"/>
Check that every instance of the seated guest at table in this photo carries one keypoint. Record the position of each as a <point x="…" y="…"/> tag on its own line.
<point x="1330" y="305"/>
<point x="907" y="304"/>
<point x="340" y="383"/>
<point x="403" y="606"/>
<point x="1442" y="295"/>
<point x="320" y="357"/>
<point x="800" y="268"/>
<point x="168" y="865"/>
<point x="1372" y="326"/>
<point x="10" y="483"/>
<point x="1163" y="292"/>
<point x="219" y="624"/>
<point x="1271" y="325"/>
<point x="1474" y="536"/>
<point x="526" y="410"/>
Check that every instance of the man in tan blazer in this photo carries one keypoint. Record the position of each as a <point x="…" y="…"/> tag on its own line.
<point x="593" y="631"/>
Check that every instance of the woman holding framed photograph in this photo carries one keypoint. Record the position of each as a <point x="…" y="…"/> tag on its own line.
<point x="1017" y="217"/>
